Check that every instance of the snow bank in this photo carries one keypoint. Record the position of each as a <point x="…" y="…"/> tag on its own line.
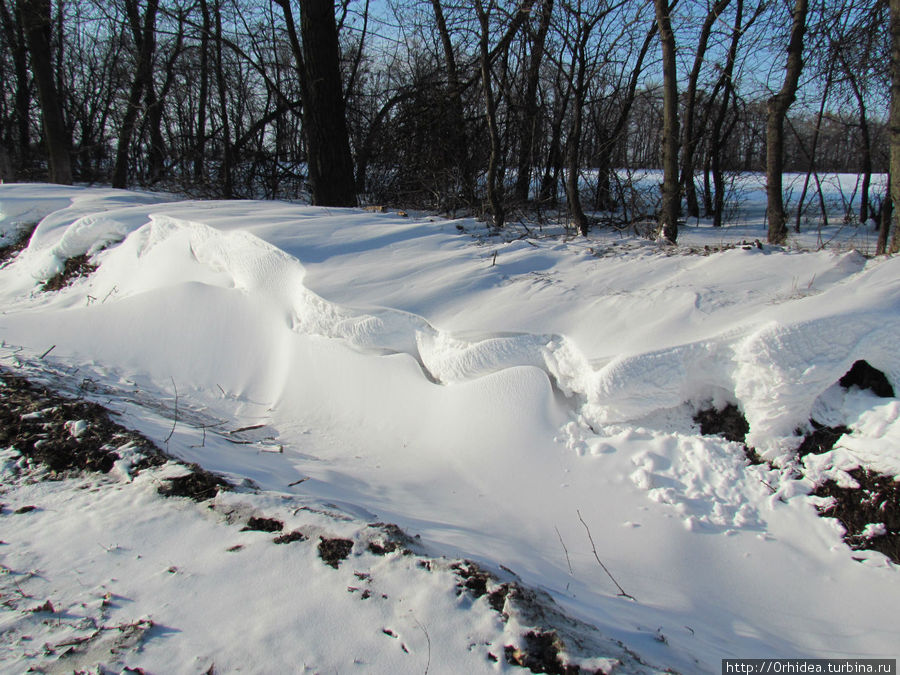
<point x="482" y="392"/>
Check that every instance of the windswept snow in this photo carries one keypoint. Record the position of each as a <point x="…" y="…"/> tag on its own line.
<point x="480" y="393"/>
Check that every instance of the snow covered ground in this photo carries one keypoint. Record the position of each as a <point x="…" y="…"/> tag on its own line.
<point x="505" y="400"/>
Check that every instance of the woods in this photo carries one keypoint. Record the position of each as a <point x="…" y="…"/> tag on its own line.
<point x="493" y="107"/>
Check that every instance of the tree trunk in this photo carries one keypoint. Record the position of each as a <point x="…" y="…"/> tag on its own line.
<point x="331" y="178"/>
<point x="689" y="144"/>
<point x="203" y="95"/>
<point x="145" y="42"/>
<point x="671" y="199"/>
<point x="530" y="126"/>
<point x="21" y="149"/>
<point x="777" y="108"/>
<point x="227" y="173"/>
<point x="895" y="127"/>
<point x="829" y="76"/>
<point x="494" y="196"/>
<point x="458" y="139"/>
<point x="550" y="181"/>
<point x="608" y="141"/>
<point x="36" y="22"/>
<point x="573" y="144"/>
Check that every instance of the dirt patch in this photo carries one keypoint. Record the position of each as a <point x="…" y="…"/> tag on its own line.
<point x="730" y="424"/>
<point x="263" y="525"/>
<point x="540" y="654"/>
<point x="65" y="435"/>
<point x="864" y="376"/>
<point x="870" y="514"/>
<point x="333" y="551"/>
<point x="821" y="439"/>
<point x="389" y="538"/>
<point x="13" y="243"/>
<point x="290" y="537"/>
<point x="472" y="578"/>
<point x="198" y="485"/>
<point x="74" y="268"/>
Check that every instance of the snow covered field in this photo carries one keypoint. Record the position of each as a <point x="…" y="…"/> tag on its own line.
<point x="503" y="401"/>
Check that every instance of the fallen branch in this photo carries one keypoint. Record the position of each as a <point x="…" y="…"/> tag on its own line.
<point x="175" y="417"/>
<point x="594" y="548"/>
<point x="568" y="562"/>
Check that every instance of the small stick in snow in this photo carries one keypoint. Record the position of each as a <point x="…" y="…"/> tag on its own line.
<point x="428" y="639"/>
<point x="47" y="352"/>
<point x="250" y="428"/>
<point x="175" y="417"/>
<point x="568" y="562"/>
<point x="594" y="548"/>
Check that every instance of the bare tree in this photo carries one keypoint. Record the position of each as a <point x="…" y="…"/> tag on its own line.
<point x="331" y="178"/>
<point x="895" y="128"/>
<point x="36" y="22"/>
<point x="777" y="109"/>
<point x="689" y="144"/>
<point x="671" y="193"/>
<point x="144" y="35"/>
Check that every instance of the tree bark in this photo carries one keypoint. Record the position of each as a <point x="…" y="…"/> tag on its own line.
<point x="36" y="22"/>
<point x="689" y="143"/>
<point x="777" y="108"/>
<point x="145" y="42"/>
<point x="458" y="139"/>
<point x="203" y="95"/>
<point x="494" y="190"/>
<point x="895" y="127"/>
<point x="530" y="124"/>
<point x="671" y="198"/>
<point x="19" y="154"/>
<point x="331" y="178"/>
<point x="227" y="173"/>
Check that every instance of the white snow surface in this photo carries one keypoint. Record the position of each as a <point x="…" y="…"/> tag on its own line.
<point x="480" y="393"/>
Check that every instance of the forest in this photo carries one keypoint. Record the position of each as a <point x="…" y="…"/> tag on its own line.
<point x="496" y="108"/>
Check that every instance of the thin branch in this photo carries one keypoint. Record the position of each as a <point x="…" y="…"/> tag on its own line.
<point x="594" y="549"/>
<point x="568" y="562"/>
<point x="175" y="417"/>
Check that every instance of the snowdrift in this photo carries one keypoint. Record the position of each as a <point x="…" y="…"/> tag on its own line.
<point x="480" y="392"/>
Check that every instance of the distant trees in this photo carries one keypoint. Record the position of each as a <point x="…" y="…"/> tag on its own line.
<point x="480" y="106"/>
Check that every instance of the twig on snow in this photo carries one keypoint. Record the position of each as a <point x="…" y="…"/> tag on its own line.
<point x="428" y="640"/>
<point x="175" y="418"/>
<point x="48" y="351"/>
<point x="594" y="548"/>
<point x="568" y="562"/>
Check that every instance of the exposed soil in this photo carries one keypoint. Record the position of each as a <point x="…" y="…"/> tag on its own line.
<point x="390" y="538"/>
<point x="870" y="513"/>
<point x="75" y="268"/>
<point x="333" y="551"/>
<point x="198" y="485"/>
<point x="65" y="435"/>
<point x="296" y="535"/>
<point x="540" y="655"/>
<point x="263" y="525"/>
<point x="68" y="436"/>
<point x="729" y="423"/>
<point x="821" y="439"/>
<point x="864" y="376"/>
<point x="12" y="244"/>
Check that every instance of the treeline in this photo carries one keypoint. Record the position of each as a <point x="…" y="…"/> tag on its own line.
<point x="482" y="106"/>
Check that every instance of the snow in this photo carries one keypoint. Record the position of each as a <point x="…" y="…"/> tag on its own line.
<point x="479" y="392"/>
